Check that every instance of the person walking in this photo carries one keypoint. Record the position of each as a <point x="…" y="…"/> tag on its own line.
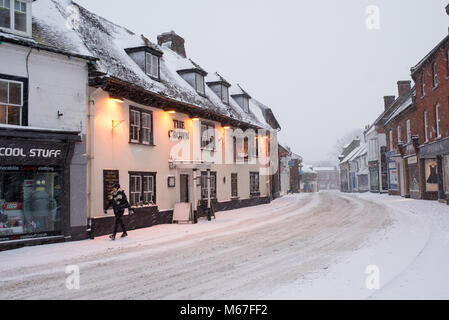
<point x="119" y="203"/>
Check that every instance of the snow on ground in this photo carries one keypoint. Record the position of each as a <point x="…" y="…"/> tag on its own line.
<point x="303" y="246"/>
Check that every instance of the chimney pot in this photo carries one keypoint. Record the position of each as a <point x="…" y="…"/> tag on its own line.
<point x="388" y="101"/>
<point x="404" y="88"/>
<point x="176" y="42"/>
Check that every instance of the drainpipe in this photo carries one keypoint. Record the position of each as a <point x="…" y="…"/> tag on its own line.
<point x="208" y="196"/>
<point x="90" y="157"/>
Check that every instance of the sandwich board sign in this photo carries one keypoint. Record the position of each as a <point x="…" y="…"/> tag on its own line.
<point x="182" y="212"/>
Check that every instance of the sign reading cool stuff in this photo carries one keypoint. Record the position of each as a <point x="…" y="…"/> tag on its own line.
<point x="26" y="152"/>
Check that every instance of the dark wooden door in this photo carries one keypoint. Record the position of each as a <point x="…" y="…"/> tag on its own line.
<point x="184" y="187"/>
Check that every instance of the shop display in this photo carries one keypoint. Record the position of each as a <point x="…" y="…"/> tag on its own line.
<point x="29" y="200"/>
<point x="431" y="175"/>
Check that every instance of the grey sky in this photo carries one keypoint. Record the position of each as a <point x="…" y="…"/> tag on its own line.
<point x="313" y="62"/>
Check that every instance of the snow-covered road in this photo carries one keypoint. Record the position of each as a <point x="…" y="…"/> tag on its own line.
<point x="297" y="247"/>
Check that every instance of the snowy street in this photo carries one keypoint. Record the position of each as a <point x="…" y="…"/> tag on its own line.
<point x="305" y="246"/>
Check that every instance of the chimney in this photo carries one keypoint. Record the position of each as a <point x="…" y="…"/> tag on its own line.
<point x="404" y="88"/>
<point x="175" y="42"/>
<point x="388" y="101"/>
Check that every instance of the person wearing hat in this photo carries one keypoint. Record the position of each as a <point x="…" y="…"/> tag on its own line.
<point x="119" y="203"/>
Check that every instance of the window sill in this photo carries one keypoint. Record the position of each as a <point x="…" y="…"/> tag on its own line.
<point x="434" y="88"/>
<point x="142" y="144"/>
<point x="235" y="198"/>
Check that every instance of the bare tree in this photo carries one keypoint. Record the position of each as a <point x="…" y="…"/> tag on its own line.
<point x="340" y="143"/>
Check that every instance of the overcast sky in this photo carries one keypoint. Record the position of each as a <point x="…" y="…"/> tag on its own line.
<point x="315" y="63"/>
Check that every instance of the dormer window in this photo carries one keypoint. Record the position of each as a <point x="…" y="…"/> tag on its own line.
<point x="148" y="59"/>
<point x="15" y="16"/>
<point x="242" y="98"/>
<point x="195" y="77"/>
<point x="220" y="87"/>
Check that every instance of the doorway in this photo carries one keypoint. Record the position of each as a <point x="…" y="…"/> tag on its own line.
<point x="184" y="187"/>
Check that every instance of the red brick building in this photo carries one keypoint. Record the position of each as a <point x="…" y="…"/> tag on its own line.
<point x="431" y="76"/>
<point x="401" y="130"/>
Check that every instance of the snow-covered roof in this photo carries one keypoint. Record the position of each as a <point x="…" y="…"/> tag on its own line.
<point x="407" y="102"/>
<point x="360" y="150"/>
<point x="325" y="168"/>
<point x="66" y="25"/>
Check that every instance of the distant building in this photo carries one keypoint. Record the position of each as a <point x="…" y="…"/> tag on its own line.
<point x="309" y="181"/>
<point x="328" y="178"/>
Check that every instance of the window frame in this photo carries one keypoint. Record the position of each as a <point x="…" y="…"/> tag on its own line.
<point x="426" y="127"/>
<point x="423" y="86"/>
<point x="409" y="131"/>
<point x="149" y="72"/>
<point x="204" y="144"/>
<point x="140" y="111"/>
<point x="200" y="77"/>
<point x="141" y="175"/>
<point x="12" y="17"/>
<point x="234" y="185"/>
<point x="391" y="139"/>
<point x="254" y="189"/>
<point x="435" y="75"/>
<point x="224" y="95"/>
<point x="438" y="120"/>
<point x="399" y="129"/>
<point x="213" y="186"/>
<point x="24" y="97"/>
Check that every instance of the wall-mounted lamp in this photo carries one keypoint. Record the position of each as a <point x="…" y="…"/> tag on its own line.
<point x="116" y="99"/>
<point x="116" y="123"/>
<point x="60" y="114"/>
<point x="227" y="127"/>
<point x="171" y="111"/>
<point x="195" y="119"/>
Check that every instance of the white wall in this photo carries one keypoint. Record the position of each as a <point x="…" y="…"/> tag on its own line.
<point x="56" y="83"/>
<point x="112" y="150"/>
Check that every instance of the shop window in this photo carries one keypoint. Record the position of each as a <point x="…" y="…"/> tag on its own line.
<point x="234" y="185"/>
<point x="413" y="174"/>
<point x="142" y="189"/>
<point x="140" y="126"/>
<point x="11" y="102"/>
<point x="254" y="183"/>
<point x="431" y="175"/>
<point x="446" y="174"/>
<point x="30" y="201"/>
<point x="213" y="185"/>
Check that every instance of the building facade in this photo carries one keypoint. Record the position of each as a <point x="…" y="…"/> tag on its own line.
<point x="431" y="76"/>
<point x="43" y="93"/>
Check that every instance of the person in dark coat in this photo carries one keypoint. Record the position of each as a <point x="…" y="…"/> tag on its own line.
<point x="119" y="203"/>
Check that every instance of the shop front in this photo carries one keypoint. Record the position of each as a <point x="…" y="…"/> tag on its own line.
<point x="393" y="173"/>
<point x="373" y="167"/>
<point x="34" y="186"/>
<point x="435" y="170"/>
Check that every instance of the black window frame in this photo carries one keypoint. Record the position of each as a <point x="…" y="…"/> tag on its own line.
<point x="252" y="191"/>
<point x="24" y="95"/>
<point x="234" y="185"/>
<point x="140" y="140"/>
<point x="141" y="174"/>
<point x="213" y="186"/>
